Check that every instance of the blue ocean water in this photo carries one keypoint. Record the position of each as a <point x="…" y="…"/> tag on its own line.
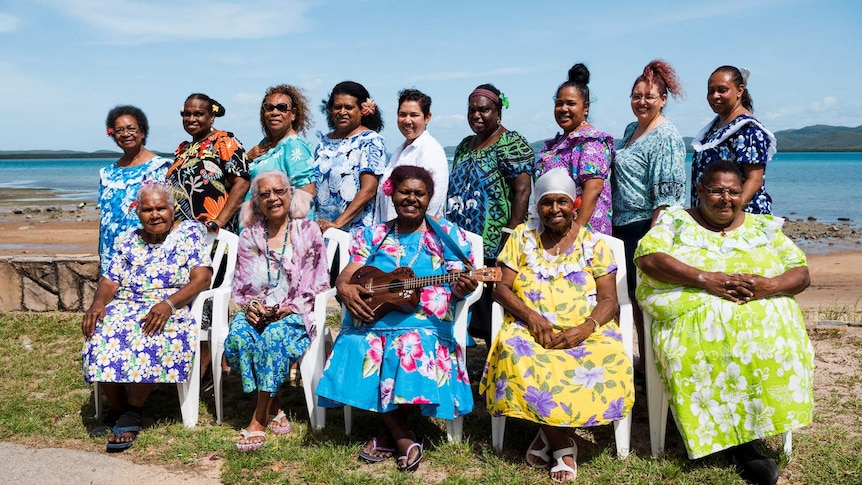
<point x="823" y="185"/>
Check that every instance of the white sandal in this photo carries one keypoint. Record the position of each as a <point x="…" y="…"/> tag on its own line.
<point x="541" y="453"/>
<point x="561" y="465"/>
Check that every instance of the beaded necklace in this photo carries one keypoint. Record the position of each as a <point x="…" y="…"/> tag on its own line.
<point x="269" y="282"/>
<point x="401" y="249"/>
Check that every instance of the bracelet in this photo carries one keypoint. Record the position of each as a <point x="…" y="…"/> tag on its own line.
<point x="173" y="308"/>
<point x="213" y="225"/>
<point x="595" y="322"/>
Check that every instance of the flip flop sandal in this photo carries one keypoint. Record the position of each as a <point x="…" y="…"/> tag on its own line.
<point x="541" y="453"/>
<point x="409" y="466"/>
<point x="253" y="446"/>
<point x="368" y="457"/>
<point x="561" y="465"/>
<point x="276" y="426"/>
<point x="112" y="447"/>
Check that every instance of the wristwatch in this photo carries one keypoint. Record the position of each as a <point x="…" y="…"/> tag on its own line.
<point x="213" y="226"/>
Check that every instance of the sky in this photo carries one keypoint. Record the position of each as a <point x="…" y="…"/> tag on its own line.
<point x="65" y="63"/>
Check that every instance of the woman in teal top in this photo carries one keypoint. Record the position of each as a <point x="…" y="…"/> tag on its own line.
<point x="283" y="115"/>
<point x="649" y="171"/>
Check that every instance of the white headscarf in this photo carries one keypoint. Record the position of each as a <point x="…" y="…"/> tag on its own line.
<point x="556" y="181"/>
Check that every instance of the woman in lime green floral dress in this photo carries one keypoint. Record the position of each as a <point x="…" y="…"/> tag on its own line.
<point x="558" y="359"/>
<point x="728" y="336"/>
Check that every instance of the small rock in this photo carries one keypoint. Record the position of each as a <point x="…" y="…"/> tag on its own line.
<point x="24" y="228"/>
<point x="844" y="219"/>
<point x="17" y="211"/>
<point x="81" y="205"/>
<point x="26" y="343"/>
<point x="812" y="218"/>
<point x="28" y="217"/>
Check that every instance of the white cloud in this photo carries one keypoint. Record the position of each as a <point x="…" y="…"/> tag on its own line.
<point x="826" y="111"/>
<point x="8" y="23"/>
<point x="131" y="21"/>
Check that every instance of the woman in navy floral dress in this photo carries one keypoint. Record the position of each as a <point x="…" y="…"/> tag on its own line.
<point x="735" y="135"/>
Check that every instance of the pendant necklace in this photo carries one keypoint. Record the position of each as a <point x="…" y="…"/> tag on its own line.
<point x="269" y="282"/>
<point x="557" y="243"/>
<point x="402" y="249"/>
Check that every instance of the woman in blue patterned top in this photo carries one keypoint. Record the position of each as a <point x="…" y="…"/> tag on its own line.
<point x="734" y="135"/>
<point x="649" y="173"/>
<point x="284" y="115"/>
<point x="350" y="159"/>
<point x="119" y="181"/>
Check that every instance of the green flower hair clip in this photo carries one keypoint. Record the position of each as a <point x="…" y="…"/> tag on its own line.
<point x="504" y="101"/>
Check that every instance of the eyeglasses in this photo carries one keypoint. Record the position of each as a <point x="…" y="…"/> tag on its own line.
<point x="267" y="195"/>
<point x="720" y="191"/>
<point x="648" y="98"/>
<point x="283" y="107"/>
<point x="132" y="130"/>
<point x="189" y="114"/>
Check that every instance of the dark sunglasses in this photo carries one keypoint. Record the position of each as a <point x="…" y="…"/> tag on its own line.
<point x="283" y="107"/>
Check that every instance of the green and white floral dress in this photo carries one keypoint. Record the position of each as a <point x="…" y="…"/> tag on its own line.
<point x="735" y="373"/>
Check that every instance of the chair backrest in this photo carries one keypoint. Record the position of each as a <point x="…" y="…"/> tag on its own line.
<point x="223" y="247"/>
<point x="477" y="247"/>
<point x="337" y="239"/>
<point x="619" y="250"/>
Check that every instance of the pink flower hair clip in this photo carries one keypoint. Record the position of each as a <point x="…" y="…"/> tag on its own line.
<point x="387" y="188"/>
<point x="110" y="132"/>
<point x="369" y="107"/>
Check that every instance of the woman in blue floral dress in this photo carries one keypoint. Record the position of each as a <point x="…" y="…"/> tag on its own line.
<point x="350" y="159"/>
<point x="401" y="361"/>
<point x="280" y="268"/>
<point x="139" y="329"/>
<point x="119" y="181"/>
<point x="736" y="135"/>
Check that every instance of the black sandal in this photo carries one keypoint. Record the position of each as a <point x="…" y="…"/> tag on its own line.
<point x="108" y="421"/>
<point x="129" y="422"/>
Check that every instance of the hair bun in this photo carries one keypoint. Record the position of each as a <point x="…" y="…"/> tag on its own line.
<point x="579" y="74"/>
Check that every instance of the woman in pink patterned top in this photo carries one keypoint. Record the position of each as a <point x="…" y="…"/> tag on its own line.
<point x="584" y="151"/>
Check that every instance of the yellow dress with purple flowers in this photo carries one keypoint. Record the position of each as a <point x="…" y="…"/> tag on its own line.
<point x="588" y="385"/>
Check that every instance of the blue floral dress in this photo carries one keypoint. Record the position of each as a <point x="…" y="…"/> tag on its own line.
<point x="119" y="351"/>
<point x="402" y="358"/>
<point x="118" y="190"/>
<point x="588" y="385"/>
<point x="338" y="166"/>
<point x="744" y="141"/>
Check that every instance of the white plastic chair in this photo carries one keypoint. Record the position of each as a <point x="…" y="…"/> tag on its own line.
<point x="455" y="427"/>
<point x="312" y="362"/>
<point x="658" y="397"/>
<point x="223" y="248"/>
<point x="623" y="427"/>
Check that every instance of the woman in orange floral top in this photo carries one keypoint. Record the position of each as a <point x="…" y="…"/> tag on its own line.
<point x="210" y="174"/>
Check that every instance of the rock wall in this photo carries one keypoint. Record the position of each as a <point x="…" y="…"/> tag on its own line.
<point x="48" y="283"/>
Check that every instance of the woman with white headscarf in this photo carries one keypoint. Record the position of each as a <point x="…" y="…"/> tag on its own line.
<point x="559" y="294"/>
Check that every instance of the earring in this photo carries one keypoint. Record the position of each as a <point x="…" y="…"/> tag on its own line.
<point x="499" y="122"/>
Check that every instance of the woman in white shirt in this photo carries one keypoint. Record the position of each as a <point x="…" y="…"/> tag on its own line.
<point x="420" y="149"/>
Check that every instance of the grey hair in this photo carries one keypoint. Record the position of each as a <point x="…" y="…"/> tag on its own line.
<point x="149" y="186"/>
<point x="300" y="200"/>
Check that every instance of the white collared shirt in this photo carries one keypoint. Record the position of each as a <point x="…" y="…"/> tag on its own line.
<point x="425" y="152"/>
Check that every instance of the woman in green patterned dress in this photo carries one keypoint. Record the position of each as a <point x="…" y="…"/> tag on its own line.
<point x="728" y="336"/>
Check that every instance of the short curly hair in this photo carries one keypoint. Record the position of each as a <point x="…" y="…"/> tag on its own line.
<point x="406" y="172"/>
<point x="134" y="112"/>
<point x="299" y="105"/>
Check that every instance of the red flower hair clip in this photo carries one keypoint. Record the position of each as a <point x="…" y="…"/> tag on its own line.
<point x="110" y="132"/>
<point x="387" y="188"/>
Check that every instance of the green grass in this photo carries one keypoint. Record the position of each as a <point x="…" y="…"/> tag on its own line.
<point x="44" y="402"/>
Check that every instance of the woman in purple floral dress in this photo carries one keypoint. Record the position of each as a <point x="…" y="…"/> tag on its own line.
<point x="584" y="151"/>
<point x="402" y="361"/>
<point x="139" y="329"/>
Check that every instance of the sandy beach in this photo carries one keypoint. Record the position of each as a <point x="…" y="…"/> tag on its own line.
<point x="52" y="227"/>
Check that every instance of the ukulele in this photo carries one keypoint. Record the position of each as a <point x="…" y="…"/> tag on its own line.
<point x="396" y="290"/>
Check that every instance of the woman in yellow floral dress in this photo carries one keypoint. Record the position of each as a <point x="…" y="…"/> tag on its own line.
<point x="559" y="359"/>
<point x="210" y="173"/>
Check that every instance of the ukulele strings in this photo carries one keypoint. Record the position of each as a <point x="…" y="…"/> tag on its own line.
<point x="424" y="281"/>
